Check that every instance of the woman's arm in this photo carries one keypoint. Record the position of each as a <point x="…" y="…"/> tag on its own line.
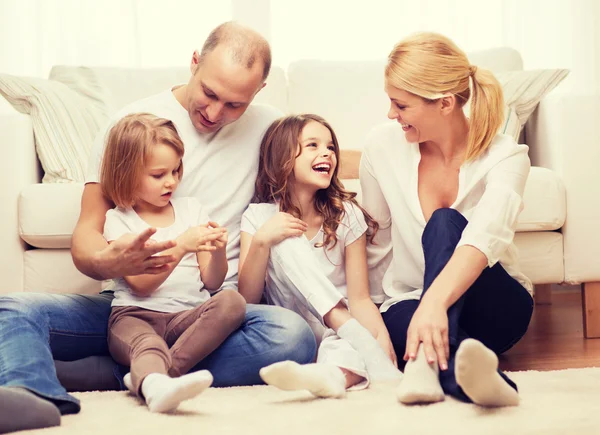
<point x="488" y="234"/>
<point x="361" y="306"/>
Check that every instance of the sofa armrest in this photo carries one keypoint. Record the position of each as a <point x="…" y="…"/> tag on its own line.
<point x="564" y="135"/>
<point x="19" y="167"/>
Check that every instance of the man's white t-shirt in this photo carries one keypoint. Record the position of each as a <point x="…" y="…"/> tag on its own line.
<point x="219" y="169"/>
<point x="183" y="289"/>
<point x="331" y="261"/>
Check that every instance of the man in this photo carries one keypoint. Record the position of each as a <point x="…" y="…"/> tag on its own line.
<point x="221" y="132"/>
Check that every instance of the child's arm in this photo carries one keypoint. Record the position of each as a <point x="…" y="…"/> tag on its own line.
<point x="254" y="256"/>
<point x="255" y="250"/>
<point x="195" y="239"/>
<point x="213" y="264"/>
<point x="362" y="307"/>
<point x="145" y="285"/>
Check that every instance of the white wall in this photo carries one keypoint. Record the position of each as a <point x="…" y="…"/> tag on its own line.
<point x="36" y="34"/>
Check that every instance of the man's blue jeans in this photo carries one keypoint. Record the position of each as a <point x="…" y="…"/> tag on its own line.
<point x="495" y="310"/>
<point x="36" y="328"/>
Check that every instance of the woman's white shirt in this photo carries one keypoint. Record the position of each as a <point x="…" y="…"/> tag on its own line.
<point x="489" y="196"/>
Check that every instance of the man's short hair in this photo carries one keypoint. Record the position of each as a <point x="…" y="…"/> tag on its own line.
<point x="246" y="45"/>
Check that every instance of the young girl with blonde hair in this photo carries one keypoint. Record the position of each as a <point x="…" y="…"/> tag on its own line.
<point x="163" y="324"/>
<point x="307" y="235"/>
<point x="447" y="191"/>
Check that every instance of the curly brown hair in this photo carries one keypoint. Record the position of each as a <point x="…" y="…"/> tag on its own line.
<point x="278" y="152"/>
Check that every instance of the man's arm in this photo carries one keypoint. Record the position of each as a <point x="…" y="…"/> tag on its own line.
<point x="128" y="255"/>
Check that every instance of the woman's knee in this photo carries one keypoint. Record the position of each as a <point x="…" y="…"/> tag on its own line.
<point x="444" y="220"/>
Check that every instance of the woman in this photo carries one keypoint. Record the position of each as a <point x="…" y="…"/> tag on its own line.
<point x="447" y="191"/>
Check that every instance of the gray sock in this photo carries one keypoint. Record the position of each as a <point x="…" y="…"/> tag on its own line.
<point x="88" y="374"/>
<point x="20" y="409"/>
<point x="379" y="365"/>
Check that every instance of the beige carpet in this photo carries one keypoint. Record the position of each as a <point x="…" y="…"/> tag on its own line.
<point x="558" y="402"/>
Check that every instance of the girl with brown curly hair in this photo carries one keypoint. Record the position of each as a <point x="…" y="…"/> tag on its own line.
<point x="307" y="235"/>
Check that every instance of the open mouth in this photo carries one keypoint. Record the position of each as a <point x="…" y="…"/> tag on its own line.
<point x="406" y="127"/>
<point x="167" y="195"/>
<point x="322" y="168"/>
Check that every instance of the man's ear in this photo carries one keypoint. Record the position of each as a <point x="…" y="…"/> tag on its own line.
<point x="195" y="62"/>
<point x="259" y="89"/>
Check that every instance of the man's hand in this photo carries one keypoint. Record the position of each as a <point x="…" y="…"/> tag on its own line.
<point x="133" y="254"/>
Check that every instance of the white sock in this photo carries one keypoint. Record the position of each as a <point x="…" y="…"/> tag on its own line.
<point x="379" y="365"/>
<point x="420" y="383"/>
<point x="476" y="370"/>
<point x="321" y="379"/>
<point x="164" y="394"/>
<point x="128" y="382"/>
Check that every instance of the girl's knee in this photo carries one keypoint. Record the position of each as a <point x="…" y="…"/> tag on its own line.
<point x="231" y="306"/>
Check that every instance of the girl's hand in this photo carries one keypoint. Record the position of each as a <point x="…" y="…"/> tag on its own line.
<point x="429" y="328"/>
<point x="201" y="238"/>
<point x="280" y="227"/>
<point x="221" y="241"/>
<point x="386" y="344"/>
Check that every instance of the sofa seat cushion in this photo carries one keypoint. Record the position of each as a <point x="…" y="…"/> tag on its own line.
<point x="48" y="214"/>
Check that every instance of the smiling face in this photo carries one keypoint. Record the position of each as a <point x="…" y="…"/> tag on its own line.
<point x="420" y="118"/>
<point x="220" y="89"/>
<point x="315" y="166"/>
<point x="159" y="178"/>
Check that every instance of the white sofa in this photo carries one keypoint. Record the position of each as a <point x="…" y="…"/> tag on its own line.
<point x="556" y="235"/>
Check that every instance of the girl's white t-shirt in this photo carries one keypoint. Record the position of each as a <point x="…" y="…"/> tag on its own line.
<point x="183" y="289"/>
<point x="219" y="169"/>
<point x="331" y="261"/>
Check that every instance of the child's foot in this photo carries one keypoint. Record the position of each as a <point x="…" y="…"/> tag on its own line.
<point x="420" y="383"/>
<point x="379" y="365"/>
<point x="322" y="380"/>
<point x="164" y="394"/>
<point x="476" y="370"/>
<point x="128" y="382"/>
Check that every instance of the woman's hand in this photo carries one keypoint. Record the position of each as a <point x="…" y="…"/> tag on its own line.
<point x="278" y="228"/>
<point x="429" y="328"/>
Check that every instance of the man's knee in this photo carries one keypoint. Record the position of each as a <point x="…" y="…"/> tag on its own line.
<point x="300" y="339"/>
<point x="21" y="307"/>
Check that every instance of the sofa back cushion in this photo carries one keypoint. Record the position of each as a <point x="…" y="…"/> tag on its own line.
<point x="350" y="94"/>
<point x="126" y="85"/>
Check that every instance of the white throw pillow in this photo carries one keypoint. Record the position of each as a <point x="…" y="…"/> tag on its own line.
<point x="523" y="91"/>
<point x="66" y="112"/>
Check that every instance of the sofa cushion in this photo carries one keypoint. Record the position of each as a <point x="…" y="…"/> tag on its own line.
<point x="48" y="214"/>
<point x="126" y="85"/>
<point x="66" y="113"/>
<point x="53" y="271"/>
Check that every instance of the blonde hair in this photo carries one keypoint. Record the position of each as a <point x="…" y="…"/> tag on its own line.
<point x="278" y="152"/>
<point x="431" y="66"/>
<point x="128" y="145"/>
